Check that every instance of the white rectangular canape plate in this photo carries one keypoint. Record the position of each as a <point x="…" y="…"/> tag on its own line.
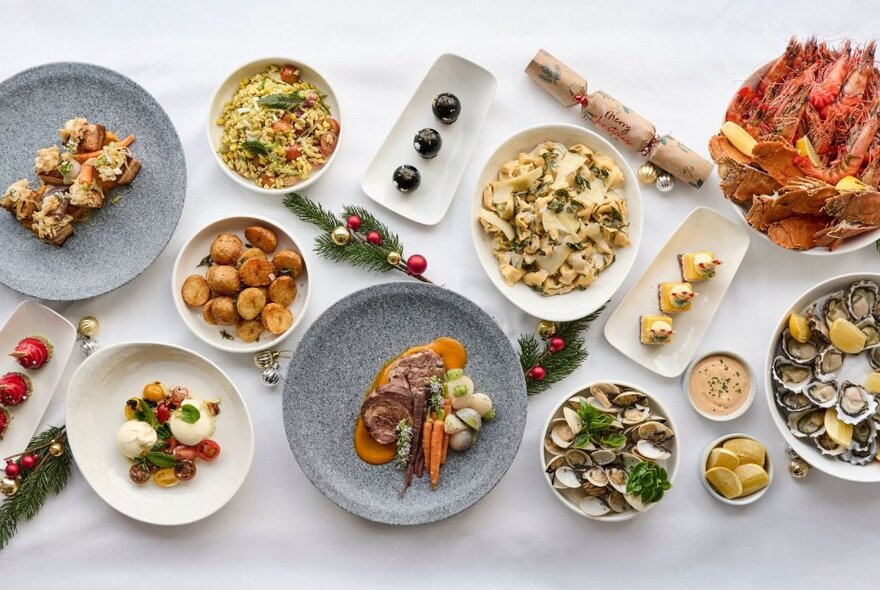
<point x="32" y="319"/>
<point x="703" y="229"/>
<point x="475" y="87"/>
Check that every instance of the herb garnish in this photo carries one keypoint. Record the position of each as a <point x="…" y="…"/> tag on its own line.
<point x="206" y="261"/>
<point x="582" y="183"/>
<point x="226" y="335"/>
<point x="403" y="430"/>
<point x="255" y="147"/>
<point x="280" y="101"/>
<point x="648" y="481"/>
<point x="145" y="414"/>
<point x="161" y="460"/>
<point x="596" y="428"/>
<point x="190" y="414"/>
<point x="435" y="402"/>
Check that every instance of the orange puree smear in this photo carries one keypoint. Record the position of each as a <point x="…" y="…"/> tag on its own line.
<point x="454" y="356"/>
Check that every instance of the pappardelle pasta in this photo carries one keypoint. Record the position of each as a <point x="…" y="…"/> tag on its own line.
<point x="556" y="216"/>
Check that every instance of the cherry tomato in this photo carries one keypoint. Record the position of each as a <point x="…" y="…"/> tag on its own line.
<point x="184" y="453"/>
<point x="165" y="478"/>
<point x="286" y="117"/>
<point x="282" y="126"/>
<point x="178" y="394"/>
<point x="163" y="413"/>
<point x="184" y="470"/>
<point x="334" y="125"/>
<point x="138" y="474"/>
<point x="170" y="444"/>
<point x="310" y="100"/>
<point x="328" y="143"/>
<point x="292" y="152"/>
<point x="289" y="74"/>
<point x="208" y="450"/>
<point x="154" y="392"/>
<point x="266" y="180"/>
<point x="131" y="407"/>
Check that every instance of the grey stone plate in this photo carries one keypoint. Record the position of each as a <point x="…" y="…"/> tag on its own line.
<point x="119" y="241"/>
<point x="334" y="365"/>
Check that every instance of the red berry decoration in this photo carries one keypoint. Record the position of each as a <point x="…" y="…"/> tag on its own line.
<point x="556" y="344"/>
<point x="32" y="352"/>
<point x="12" y="470"/>
<point x="4" y="421"/>
<point x="373" y="237"/>
<point x="28" y="461"/>
<point x="14" y="389"/>
<point x="416" y="264"/>
<point x="537" y="373"/>
<point x="354" y="222"/>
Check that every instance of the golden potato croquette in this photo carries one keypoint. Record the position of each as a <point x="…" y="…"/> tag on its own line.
<point x="288" y="261"/>
<point x="223" y="279"/>
<point x="207" y="313"/>
<point x="250" y="302"/>
<point x="226" y="248"/>
<point x="195" y="291"/>
<point x="276" y="318"/>
<point x="248" y="254"/>
<point x="282" y="291"/>
<point x="249" y="330"/>
<point x="262" y="238"/>
<point x="257" y="272"/>
<point x="223" y="311"/>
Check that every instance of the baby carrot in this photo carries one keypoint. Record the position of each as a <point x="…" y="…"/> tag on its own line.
<point x="426" y="441"/>
<point x="85" y="156"/>
<point x="447" y="409"/>
<point x="437" y="433"/>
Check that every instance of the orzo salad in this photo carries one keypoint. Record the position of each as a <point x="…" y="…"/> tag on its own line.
<point x="277" y="129"/>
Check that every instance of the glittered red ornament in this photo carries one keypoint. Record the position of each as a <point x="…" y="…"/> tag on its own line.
<point x="556" y="344"/>
<point x="373" y="237"/>
<point x="28" y="461"/>
<point x="12" y="470"/>
<point x="354" y="222"/>
<point x="416" y="264"/>
<point x="537" y="373"/>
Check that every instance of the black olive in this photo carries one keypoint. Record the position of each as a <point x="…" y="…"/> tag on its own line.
<point x="427" y="142"/>
<point x="446" y="107"/>
<point x="407" y="178"/>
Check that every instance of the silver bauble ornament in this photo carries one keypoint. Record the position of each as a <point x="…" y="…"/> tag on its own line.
<point x="88" y="346"/>
<point x="270" y="376"/>
<point x="665" y="182"/>
<point x="647" y="173"/>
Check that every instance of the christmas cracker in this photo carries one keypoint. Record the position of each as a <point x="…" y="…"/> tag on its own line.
<point x="617" y="120"/>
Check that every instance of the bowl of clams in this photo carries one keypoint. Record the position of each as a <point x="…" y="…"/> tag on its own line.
<point x="241" y="283"/>
<point x="822" y="376"/>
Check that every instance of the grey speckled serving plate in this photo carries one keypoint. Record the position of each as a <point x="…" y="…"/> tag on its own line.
<point x="334" y="365"/>
<point x="120" y="241"/>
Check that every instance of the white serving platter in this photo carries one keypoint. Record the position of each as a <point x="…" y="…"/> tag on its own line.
<point x="475" y="87"/>
<point x="32" y="319"/>
<point x="703" y="229"/>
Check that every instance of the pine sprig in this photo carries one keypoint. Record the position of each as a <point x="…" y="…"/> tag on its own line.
<point x="559" y="364"/>
<point x="50" y="475"/>
<point x="365" y="255"/>
<point x="390" y="240"/>
<point x="311" y="212"/>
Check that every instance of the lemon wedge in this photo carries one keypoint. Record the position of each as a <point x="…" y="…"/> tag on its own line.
<point x="720" y="457"/>
<point x="872" y="382"/>
<point x="805" y="149"/>
<point x="748" y="450"/>
<point x="799" y="327"/>
<point x="839" y="431"/>
<point x="738" y="137"/>
<point x="752" y="477"/>
<point x="850" y="183"/>
<point x="725" y="482"/>
<point x="846" y="336"/>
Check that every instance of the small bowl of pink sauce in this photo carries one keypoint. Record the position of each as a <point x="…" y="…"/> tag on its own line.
<point x="719" y="385"/>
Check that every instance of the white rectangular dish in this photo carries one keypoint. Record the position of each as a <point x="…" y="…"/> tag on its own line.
<point x="32" y="319"/>
<point x="703" y="229"/>
<point x="475" y="87"/>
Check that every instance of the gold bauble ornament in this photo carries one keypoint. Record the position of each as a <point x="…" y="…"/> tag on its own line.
<point x="394" y="258"/>
<point x="647" y="173"/>
<point x="9" y="486"/>
<point x="340" y="235"/>
<point x="56" y="449"/>
<point x="88" y="327"/>
<point x="546" y="328"/>
<point x="799" y="468"/>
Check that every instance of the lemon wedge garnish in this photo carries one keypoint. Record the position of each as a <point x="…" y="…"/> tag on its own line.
<point x="872" y="382"/>
<point x="799" y="327"/>
<point x="748" y="450"/>
<point x="739" y="137"/>
<point x="722" y="458"/>
<point x="805" y="149"/>
<point x="752" y="477"/>
<point x="846" y="336"/>
<point x="850" y="183"/>
<point x="839" y="431"/>
<point x="725" y="482"/>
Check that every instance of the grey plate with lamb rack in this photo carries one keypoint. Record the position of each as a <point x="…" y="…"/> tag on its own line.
<point x="119" y="241"/>
<point x="334" y="367"/>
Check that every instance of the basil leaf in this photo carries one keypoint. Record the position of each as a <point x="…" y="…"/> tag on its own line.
<point x="255" y="147"/>
<point x="280" y="101"/>
<point x="581" y="440"/>
<point x="190" y="414"/>
<point x="161" y="460"/>
<point x="148" y="416"/>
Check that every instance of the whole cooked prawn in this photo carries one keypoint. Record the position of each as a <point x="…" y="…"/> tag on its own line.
<point x="850" y="160"/>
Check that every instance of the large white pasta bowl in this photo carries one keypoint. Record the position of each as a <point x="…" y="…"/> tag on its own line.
<point x="577" y="303"/>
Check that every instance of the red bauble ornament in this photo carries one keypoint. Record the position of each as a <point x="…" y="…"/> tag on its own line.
<point x="373" y="237"/>
<point x="354" y="222"/>
<point x="12" y="470"/>
<point x="556" y="344"/>
<point x="416" y="264"/>
<point x="537" y="373"/>
<point x="28" y="461"/>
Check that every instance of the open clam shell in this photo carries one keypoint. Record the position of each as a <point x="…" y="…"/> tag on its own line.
<point x="596" y="476"/>
<point x="566" y="477"/>
<point x="617" y="478"/>
<point x="861" y="299"/>
<point x="617" y="502"/>
<point x="655" y="432"/>
<point x="593" y="506"/>
<point x="603" y="456"/>
<point x="635" y="414"/>
<point x="651" y="451"/>
<point x="628" y="398"/>
<point x="791" y="375"/>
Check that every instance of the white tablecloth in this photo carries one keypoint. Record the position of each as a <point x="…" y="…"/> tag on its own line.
<point x="678" y="63"/>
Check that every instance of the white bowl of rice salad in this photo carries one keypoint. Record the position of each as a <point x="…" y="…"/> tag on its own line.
<point x="274" y="125"/>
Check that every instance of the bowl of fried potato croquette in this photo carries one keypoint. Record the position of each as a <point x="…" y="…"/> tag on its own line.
<point x="241" y="283"/>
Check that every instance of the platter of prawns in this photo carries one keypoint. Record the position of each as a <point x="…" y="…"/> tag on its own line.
<point x="423" y="418"/>
<point x="798" y="153"/>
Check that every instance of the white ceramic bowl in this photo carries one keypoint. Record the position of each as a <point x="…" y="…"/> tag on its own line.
<point x="577" y="303"/>
<point x="228" y="88"/>
<point x="198" y="246"/>
<point x="96" y="397"/>
<point x="807" y="450"/>
<point x="768" y="466"/>
<point x="849" y="245"/>
<point x="670" y="464"/>
<point x="739" y="411"/>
